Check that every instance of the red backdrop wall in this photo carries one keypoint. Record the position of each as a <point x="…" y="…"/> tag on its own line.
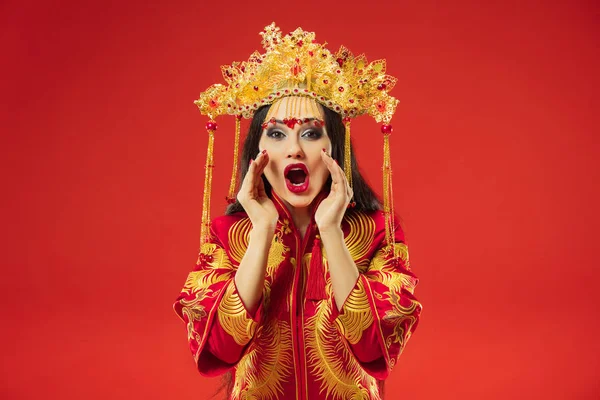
<point x="495" y="152"/>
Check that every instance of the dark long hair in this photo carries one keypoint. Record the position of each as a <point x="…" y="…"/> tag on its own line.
<point x="364" y="195"/>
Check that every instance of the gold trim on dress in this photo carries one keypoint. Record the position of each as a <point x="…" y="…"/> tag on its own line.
<point x="233" y="317"/>
<point x="357" y="315"/>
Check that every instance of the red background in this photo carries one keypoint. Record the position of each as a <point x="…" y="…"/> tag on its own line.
<point x="496" y="177"/>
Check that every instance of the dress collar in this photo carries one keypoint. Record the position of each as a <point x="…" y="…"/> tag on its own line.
<point x="284" y="212"/>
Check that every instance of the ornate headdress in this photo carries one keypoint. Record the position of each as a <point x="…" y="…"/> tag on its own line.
<point x="296" y="65"/>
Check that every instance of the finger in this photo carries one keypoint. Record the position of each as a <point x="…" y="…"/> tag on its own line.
<point x="338" y="177"/>
<point x="248" y="178"/>
<point x="261" y="188"/>
<point x="261" y="163"/>
<point x="330" y="164"/>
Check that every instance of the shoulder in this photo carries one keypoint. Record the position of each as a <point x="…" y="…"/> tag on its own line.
<point x="222" y="226"/>
<point x="371" y="223"/>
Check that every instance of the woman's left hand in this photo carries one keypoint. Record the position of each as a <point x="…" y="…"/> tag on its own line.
<point x="331" y="211"/>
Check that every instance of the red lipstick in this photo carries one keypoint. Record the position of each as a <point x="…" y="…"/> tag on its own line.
<point x="296" y="177"/>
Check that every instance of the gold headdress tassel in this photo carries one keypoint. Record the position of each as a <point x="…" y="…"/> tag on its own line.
<point x="347" y="152"/>
<point x="211" y="127"/>
<point x="231" y="196"/>
<point x="347" y="156"/>
<point x="388" y="199"/>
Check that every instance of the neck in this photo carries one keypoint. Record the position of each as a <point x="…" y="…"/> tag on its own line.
<point x="301" y="217"/>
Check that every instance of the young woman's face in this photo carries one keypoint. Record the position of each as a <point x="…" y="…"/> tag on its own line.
<point x="295" y="170"/>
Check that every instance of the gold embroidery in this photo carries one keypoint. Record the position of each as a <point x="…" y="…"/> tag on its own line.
<point x="267" y="364"/>
<point x="382" y="269"/>
<point x="233" y="317"/>
<point x="278" y="251"/>
<point x="357" y="314"/>
<point x="332" y="362"/>
<point x="360" y="235"/>
<point x="239" y="236"/>
<point x="212" y="260"/>
<point x="386" y="267"/>
<point x="194" y="311"/>
<point x="400" y="317"/>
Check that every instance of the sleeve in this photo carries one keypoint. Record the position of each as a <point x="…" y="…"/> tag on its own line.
<point x="381" y="312"/>
<point x="219" y="326"/>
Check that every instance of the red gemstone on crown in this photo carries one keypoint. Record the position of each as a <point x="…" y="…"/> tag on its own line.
<point x="386" y="128"/>
<point x="381" y="86"/>
<point x="296" y="69"/>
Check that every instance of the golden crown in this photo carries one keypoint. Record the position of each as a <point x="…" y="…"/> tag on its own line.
<point x="296" y="65"/>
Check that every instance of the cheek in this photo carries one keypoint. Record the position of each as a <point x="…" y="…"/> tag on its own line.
<point x="322" y="173"/>
<point x="272" y="172"/>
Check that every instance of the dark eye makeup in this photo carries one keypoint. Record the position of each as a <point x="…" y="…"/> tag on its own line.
<point x="311" y="133"/>
<point x="275" y="134"/>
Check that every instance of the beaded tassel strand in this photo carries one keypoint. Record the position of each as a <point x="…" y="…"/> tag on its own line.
<point x="236" y="144"/>
<point x="388" y="199"/>
<point x="211" y="127"/>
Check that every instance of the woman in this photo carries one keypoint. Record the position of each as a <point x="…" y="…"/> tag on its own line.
<point x="298" y="289"/>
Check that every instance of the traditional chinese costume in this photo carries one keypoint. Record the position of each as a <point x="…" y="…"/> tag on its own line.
<point x="298" y="345"/>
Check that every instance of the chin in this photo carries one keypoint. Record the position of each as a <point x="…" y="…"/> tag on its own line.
<point x="300" y="200"/>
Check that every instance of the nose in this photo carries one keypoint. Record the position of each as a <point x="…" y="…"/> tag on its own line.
<point x="295" y="150"/>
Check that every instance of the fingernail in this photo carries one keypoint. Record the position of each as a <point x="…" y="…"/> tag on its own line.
<point x="250" y="163"/>
<point x="264" y="151"/>
<point x="336" y="161"/>
<point x="324" y="150"/>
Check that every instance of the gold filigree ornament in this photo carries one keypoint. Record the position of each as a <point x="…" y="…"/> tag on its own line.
<point x="296" y="65"/>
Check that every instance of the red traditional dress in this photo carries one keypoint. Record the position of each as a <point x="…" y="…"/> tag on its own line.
<point x="298" y="346"/>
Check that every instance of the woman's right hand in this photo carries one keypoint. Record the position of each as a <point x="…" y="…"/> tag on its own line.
<point x="254" y="199"/>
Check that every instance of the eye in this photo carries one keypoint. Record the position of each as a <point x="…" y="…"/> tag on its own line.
<point x="312" y="134"/>
<point x="275" y="134"/>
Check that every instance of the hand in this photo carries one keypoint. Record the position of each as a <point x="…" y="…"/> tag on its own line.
<point x="254" y="199"/>
<point x="331" y="211"/>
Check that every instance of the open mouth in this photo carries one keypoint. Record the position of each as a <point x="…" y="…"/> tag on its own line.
<point x="296" y="177"/>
